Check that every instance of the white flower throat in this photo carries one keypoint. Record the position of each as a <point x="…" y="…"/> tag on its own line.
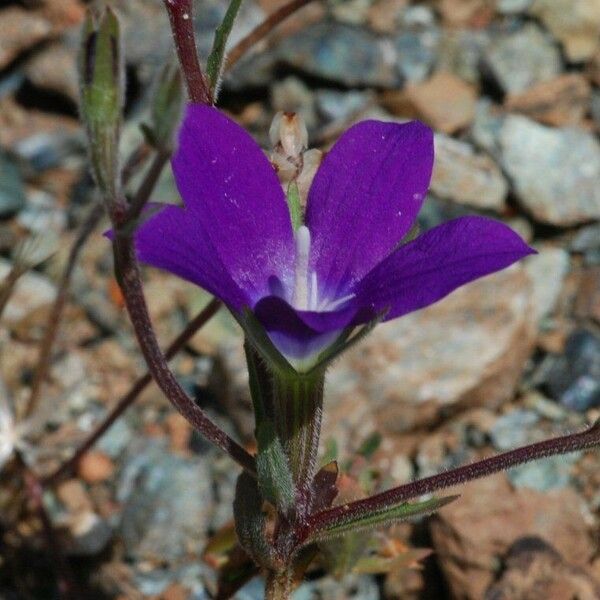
<point x="305" y="295"/>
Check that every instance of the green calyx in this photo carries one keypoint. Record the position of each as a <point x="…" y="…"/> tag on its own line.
<point x="101" y="68"/>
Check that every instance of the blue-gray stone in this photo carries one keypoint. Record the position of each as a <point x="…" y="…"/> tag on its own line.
<point x="416" y="53"/>
<point x="168" y="500"/>
<point x="12" y="192"/>
<point x="518" y="59"/>
<point x="339" y="52"/>
<point x="574" y="379"/>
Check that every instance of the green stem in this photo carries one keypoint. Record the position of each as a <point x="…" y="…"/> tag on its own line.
<point x="292" y="402"/>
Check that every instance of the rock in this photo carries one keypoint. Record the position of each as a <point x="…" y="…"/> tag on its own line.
<point x="471" y="534"/>
<point x="342" y="53"/>
<point x="467" y="350"/>
<point x="511" y="430"/>
<point x="383" y="15"/>
<point x="593" y="68"/>
<point x="21" y="29"/>
<point x="90" y="534"/>
<point x="534" y="570"/>
<point x="487" y="127"/>
<point x="547" y="271"/>
<point x="444" y="101"/>
<point x="458" y="13"/>
<point x="461" y="52"/>
<point x="55" y="69"/>
<point x="518" y="428"/>
<point x="574" y="22"/>
<point x="341" y="106"/>
<point x="561" y="101"/>
<point x="351" y="587"/>
<point x="574" y="379"/>
<point x="95" y="467"/>
<point x="352" y="12"/>
<point x="587" y="238"/>
<point x="167" y="503"/>
<point x="555" y="171"/>
<point x="587" y="303"/>
<point x="415" y="52"/>
<point x="31" y="292"/>
<point x="512" y="7"/>
<point x="595" y="106"/>
<point x="519" y="59"/>
<point x="12" y="192"/>
<point x="461" y="175"/>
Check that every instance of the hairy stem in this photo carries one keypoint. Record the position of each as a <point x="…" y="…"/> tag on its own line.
<point x="263" y="30"/>
<point x="67" y="588"/>
<point x="182" y="26"/>
<point x="177" y="344"/>
<point x="140" y="199"/>
<point x="278" y="586"/>
<point x="56" y="313"/>
<point x="128" y="277"/>
<point x="590" y="438"/>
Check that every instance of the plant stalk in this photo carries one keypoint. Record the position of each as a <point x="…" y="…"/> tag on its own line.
<point x="278" y="585"/>
<point x="128" y="276"/>
<point x="193" y="326"/>
<point x="590" y="438"/>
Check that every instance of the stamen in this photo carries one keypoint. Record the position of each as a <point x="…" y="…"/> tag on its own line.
<point x="333" y="304"/>
<point x="313" y="292"/>
<point x="300" y="295"/>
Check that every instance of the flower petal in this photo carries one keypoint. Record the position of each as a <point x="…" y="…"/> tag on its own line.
<point x="439" y="261"/>
<point x="174" y="241"/>
<point x="302" y="335"/>
<point x="231" y="192"/>
<point x="365" y="198"/>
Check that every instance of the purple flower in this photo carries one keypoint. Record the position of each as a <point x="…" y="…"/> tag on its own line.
<point x="234" y="236"/>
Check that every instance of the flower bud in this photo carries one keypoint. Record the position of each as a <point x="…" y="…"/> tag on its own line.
<point x="166" y="105"/>
<point x="288" y="133"/>
<point x="101" y="75"/>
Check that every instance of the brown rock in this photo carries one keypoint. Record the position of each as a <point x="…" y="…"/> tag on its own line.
<point x="575" y="23"/>
<point x="587" y="304"/>
<point x="564" y="100"/>
<point x="593" y="68"/>
<point x="461" y="175"/>
<point x="471" y="534"/>
<point x="467" y="350"/>
<point x="383" y="15"/>
<point x="180" y="432"/>
<point x="95" y="467"/>
<point x="55" y="69"/>
<point x="536" y="571"/>
<point x="445" y="102"/>
<point x="74" y="496"/>
<point x="21" y="29"/>
<point x="466" y="12"/>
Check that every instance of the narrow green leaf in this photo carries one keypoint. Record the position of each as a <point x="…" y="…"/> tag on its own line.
<point x="166" y="106"/>
<point x="273" y="468"/>
<point x="391" y="514"/>
<point x="214" y="64"/>
<point x="295" y="208"/>
<point x="250" y="520"/>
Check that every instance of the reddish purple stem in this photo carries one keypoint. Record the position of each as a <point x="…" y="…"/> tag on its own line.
<point x="590" y="438"/>
<point x="182" y="26"/>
